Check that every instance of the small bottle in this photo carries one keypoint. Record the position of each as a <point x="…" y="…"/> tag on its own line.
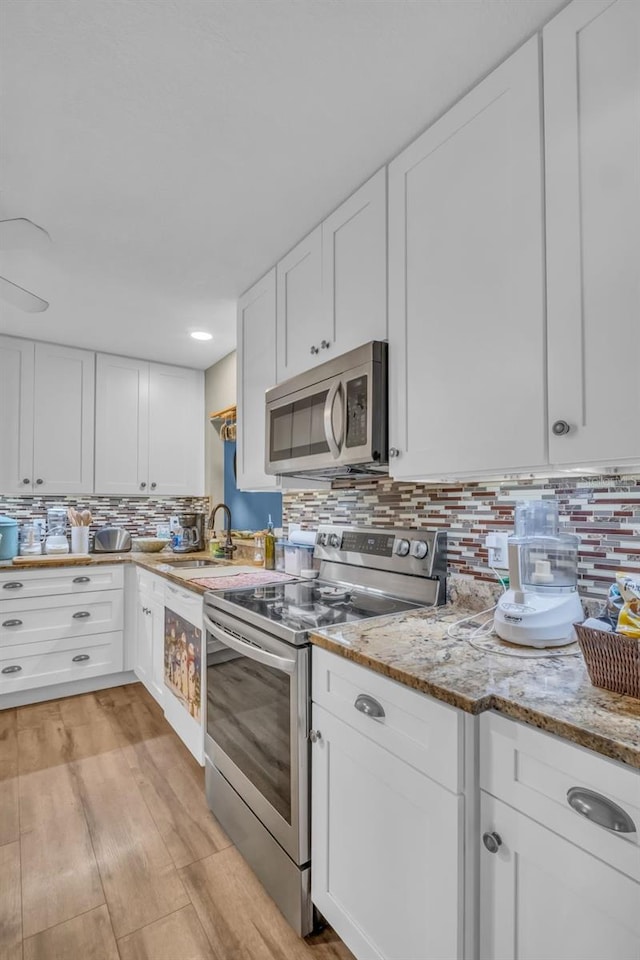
<point x="269" y="547"/>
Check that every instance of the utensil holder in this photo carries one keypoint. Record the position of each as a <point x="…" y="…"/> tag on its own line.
<point x="79" y="539"/>
<point x="613" y="660"/>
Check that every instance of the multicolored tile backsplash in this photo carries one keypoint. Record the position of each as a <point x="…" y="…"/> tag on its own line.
<point x="138" y="515"/>
<point x="603" y="511"/>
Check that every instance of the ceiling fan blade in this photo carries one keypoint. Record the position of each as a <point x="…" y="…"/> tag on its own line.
<point x="21" y="298"/>
<point x="20" y="232"/>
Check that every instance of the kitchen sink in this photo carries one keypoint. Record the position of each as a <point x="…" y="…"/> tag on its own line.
<point x="195" y="563"/>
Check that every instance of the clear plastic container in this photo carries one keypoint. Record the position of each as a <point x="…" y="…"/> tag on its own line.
<point x="548" y="559"/>
<point x="57" y="522"/>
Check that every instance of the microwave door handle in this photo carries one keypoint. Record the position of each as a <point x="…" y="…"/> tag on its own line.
<point x="328" y="420"/>
<point x="284" y="664"/>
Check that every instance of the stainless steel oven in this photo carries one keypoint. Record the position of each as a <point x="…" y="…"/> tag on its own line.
<point x="331" y="420"/>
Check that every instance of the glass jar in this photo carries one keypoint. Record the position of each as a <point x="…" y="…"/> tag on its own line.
<point x="258" y="551"/>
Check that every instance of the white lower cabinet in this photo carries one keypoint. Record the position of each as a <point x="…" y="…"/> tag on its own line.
<point x="148" y="664"/>
<point x="387" y="839"/>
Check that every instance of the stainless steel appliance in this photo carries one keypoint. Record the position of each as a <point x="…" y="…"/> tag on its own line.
<point x="331" y="421"/>
<point x="192" y="536"/>
<point x="257" y="752"/>
<point x="112" y="540"/>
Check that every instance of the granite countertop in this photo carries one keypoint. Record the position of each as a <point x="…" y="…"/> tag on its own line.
<point x="551" y="692"/>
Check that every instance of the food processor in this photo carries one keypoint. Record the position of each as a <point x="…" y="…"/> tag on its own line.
<point x="542" y="604"/>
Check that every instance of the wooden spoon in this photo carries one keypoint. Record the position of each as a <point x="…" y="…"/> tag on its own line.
<point x="86" y="517"/>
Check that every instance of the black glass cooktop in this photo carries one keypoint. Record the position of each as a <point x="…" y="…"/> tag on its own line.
<point x="313" y="604"/>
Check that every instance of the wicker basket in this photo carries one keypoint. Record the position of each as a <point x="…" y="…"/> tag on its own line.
<point x="613" y="660"/>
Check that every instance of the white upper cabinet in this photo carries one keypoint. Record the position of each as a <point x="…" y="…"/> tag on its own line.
<point x="176" y="431"/>
<point x="466" y="297"/>
<point x="592" y="147"/>
<point x="354" y="269"/>
<point x="256" y="374"/>
<point x="16" y="415"/>
<point x="149" y="428"/>
<point x="300" y="325"/>
<point x="63" y="424"/>
<point x="122" y="425"/>
<point x="332" y="287"/>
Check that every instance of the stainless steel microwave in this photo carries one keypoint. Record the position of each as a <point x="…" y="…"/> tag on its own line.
<point x="331" y="421"/>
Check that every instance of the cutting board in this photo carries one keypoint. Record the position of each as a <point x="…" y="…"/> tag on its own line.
<point x="59" y="560"/>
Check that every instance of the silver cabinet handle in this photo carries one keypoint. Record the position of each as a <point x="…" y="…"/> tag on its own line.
<point x="79" y="657"/>
<point x="82" y="579"/>
<point x="39" y="481"/>
<point x="12" y="585"/>
<point x="560" y="428"/>
<point x="368" y="705"/>
<point x="81" y="615"/>
<point x="314" y="736"/>
<point x="12" y="623"/>
<point x="142" y="485"/>
<point x="12" y="669"/>
<point x="394" y="452"/>
<point x="26" y="481"/>
<point x="325" y="344"/>
<point x="154" y="485"/>
<point x="600" y="809"/>
<point x="492" y="841"/>
<point x="313" y="351"/>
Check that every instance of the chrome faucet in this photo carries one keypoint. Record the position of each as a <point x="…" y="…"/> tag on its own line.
<point x="229" y="547"/>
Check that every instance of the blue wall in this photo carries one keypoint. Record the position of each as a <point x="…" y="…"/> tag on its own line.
<point x="249" y="511"/>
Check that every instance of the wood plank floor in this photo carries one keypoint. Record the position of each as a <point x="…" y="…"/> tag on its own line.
<point x="108" y="850"/>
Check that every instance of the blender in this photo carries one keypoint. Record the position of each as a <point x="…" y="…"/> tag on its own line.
<point x="543" y="603"/>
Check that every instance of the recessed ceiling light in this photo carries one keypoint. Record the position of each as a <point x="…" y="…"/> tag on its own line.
<point x="201" y="335"/>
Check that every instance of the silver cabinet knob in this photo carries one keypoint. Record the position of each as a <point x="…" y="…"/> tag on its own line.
<point x="560" y="428"/>
<point x="39" y="481"/>
<point x="313" y="351"/>
<point x="315" y="736"/>
<point x="154" y="485"/>
<point x="142" y="485"/>
<point x="492" y="841"/>
<point x="26" y="481"/>
<point x="394" y="452"/>
<point x="325" y="344"/>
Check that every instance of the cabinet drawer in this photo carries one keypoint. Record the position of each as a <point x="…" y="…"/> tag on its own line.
<point x="415" y="727"/>
<point x="57" y="661"/>
<point x="21" y="584"/>
<point x="534" y="772"/>
<point x="151" y="584"/>
<point x="52" y="618"/>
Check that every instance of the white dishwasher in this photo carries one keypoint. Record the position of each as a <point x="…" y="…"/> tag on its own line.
<point x="183" y="639"/>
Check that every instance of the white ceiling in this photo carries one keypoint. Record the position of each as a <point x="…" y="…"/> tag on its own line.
<point x="175" y="149"/>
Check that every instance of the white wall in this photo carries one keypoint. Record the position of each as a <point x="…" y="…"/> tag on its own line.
<point x="219" y="392"/>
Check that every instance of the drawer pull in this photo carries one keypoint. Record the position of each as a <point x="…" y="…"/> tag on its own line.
<point x="12" y="623"/>
<point x="369" y="706"/>
<point x="492" y="841"/>
<point x="81" y="615"/>
<point x="12" y="585"/>
<point x="601" y="810"/>
<point x="14" y="668"/>
<point x="80" y="656"/>
<point x="82" y="579"/>
<point x="315" y="736"/>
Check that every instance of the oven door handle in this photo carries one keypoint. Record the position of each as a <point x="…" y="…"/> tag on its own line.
<point x="328" y="420"/>
<point x="284" y="664"/>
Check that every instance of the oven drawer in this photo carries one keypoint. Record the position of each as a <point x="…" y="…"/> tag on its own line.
<point x="19" y="584"/>
<point x="413" y="727"/>
<point x="55" y="617"/>
<point x="57" y="661"/>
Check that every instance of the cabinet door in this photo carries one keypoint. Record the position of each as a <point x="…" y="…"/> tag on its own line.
<point x="122" y="425"/>
<point x="592" y="146"/>
<point x="385" y="848"/>
<point x="143" y="667"/>
<point x="300" y="327"/>
<point x="157" y="650"/>
<point x="16" y="422"/>
<point x="63" y="419"/>
<point x="354" y="269"/>
<point x="466" y="296"/>
<point x="176" y="431"/>
<point x="256" y="374"/>
<point x="542" y="898"/>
